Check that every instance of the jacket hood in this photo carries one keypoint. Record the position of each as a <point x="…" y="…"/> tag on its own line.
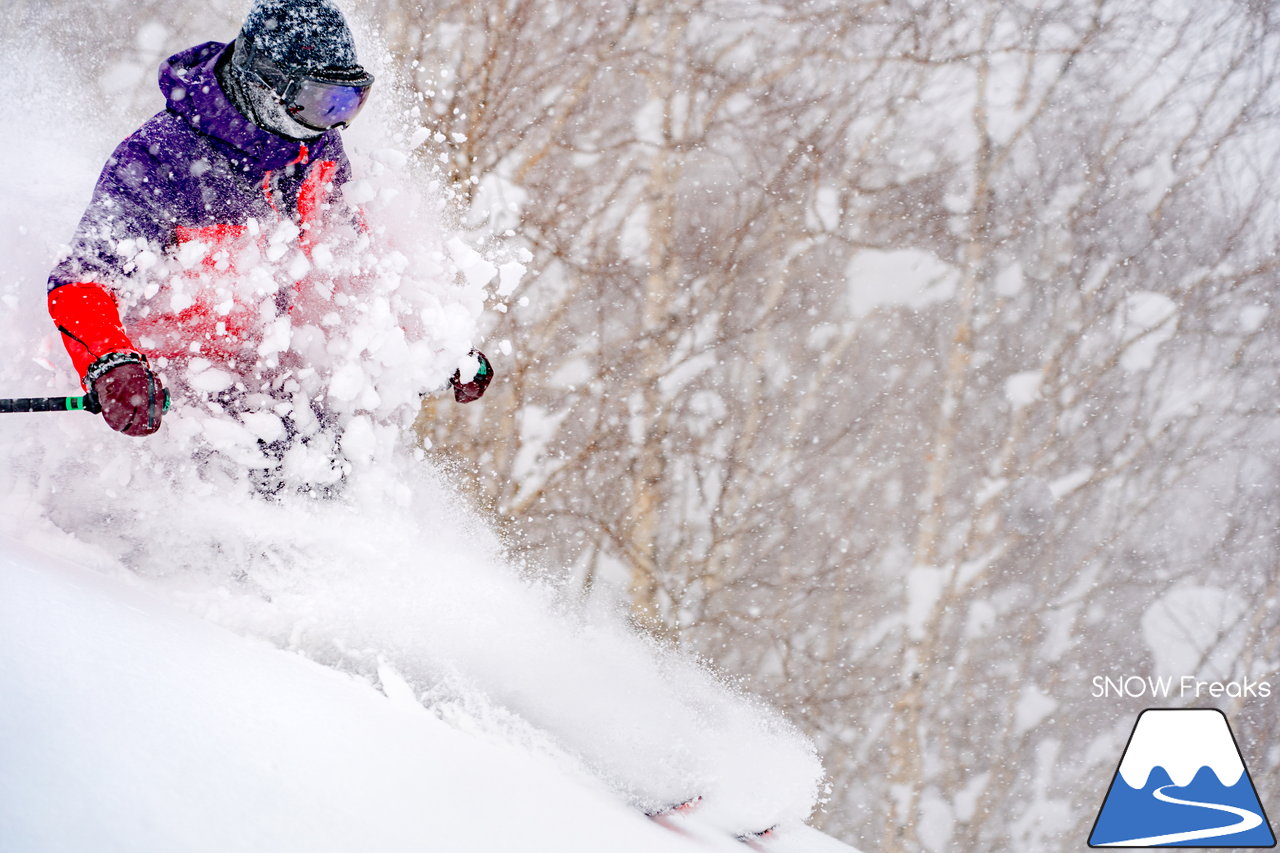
<point x="190" y="86"/>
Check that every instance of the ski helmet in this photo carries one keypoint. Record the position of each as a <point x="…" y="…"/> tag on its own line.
<point x="303" y="52"/>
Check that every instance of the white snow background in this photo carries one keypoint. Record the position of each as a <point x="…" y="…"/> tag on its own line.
<point x="184" y="665"/>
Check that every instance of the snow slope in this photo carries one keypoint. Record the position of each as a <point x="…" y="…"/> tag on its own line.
<point x="127" y="724"/>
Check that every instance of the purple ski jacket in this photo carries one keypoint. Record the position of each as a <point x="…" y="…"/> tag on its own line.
<point x="199" y="170"/>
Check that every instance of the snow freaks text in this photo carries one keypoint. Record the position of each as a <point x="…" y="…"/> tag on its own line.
<point x="1184" y="687"/>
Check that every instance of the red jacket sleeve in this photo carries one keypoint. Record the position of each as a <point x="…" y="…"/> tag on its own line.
<point x="89" y="319"/>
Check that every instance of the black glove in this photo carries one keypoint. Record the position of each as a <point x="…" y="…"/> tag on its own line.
<point x="130" y="397"/>
<point x="466" y="392"/>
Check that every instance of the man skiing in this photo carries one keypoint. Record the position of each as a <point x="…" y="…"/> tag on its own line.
<point x="249" y="136"/>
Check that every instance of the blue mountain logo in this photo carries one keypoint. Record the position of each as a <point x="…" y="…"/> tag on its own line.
<point x="1182" y="783"/>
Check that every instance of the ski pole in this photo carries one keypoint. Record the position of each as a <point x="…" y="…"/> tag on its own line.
<point x="85" y="403"/>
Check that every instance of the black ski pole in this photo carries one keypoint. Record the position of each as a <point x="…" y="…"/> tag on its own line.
<point x="85" y="403"/>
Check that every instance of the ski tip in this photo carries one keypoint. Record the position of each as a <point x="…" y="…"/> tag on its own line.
<point x="758" y="835"/>
<point x="676" y="808"/>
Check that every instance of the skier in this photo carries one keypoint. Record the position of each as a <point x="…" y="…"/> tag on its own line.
<point x="249" y="135"/>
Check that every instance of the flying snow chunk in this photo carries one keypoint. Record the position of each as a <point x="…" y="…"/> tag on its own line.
<point x="392" y="158"/>
<point x="348" y="382"/>
<point x="299" y="267"/>
<point x="509" y="275"/>
<point x="210" y="381"/>
<point x="359" y="442"/>
<point x="359" y="192"/>
<point x="473" y="266"/>
<point x="468" y="366"/>
<point x="419" y="136"/>
<point x="264" y="425"/>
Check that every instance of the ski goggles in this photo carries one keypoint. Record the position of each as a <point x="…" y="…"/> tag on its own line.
<point x="322" y="105"/>
<point x="320" y="101"/>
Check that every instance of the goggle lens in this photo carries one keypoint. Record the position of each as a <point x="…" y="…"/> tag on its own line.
<point x="323" y="106"/>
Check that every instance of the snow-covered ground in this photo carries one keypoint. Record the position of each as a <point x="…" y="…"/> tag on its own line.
<point x="187" y="666"/>
<point x="127" y="724"/>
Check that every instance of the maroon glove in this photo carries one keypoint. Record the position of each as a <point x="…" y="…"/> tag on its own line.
<point x="131" y="398"/>
<point x="466" y="392"/>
